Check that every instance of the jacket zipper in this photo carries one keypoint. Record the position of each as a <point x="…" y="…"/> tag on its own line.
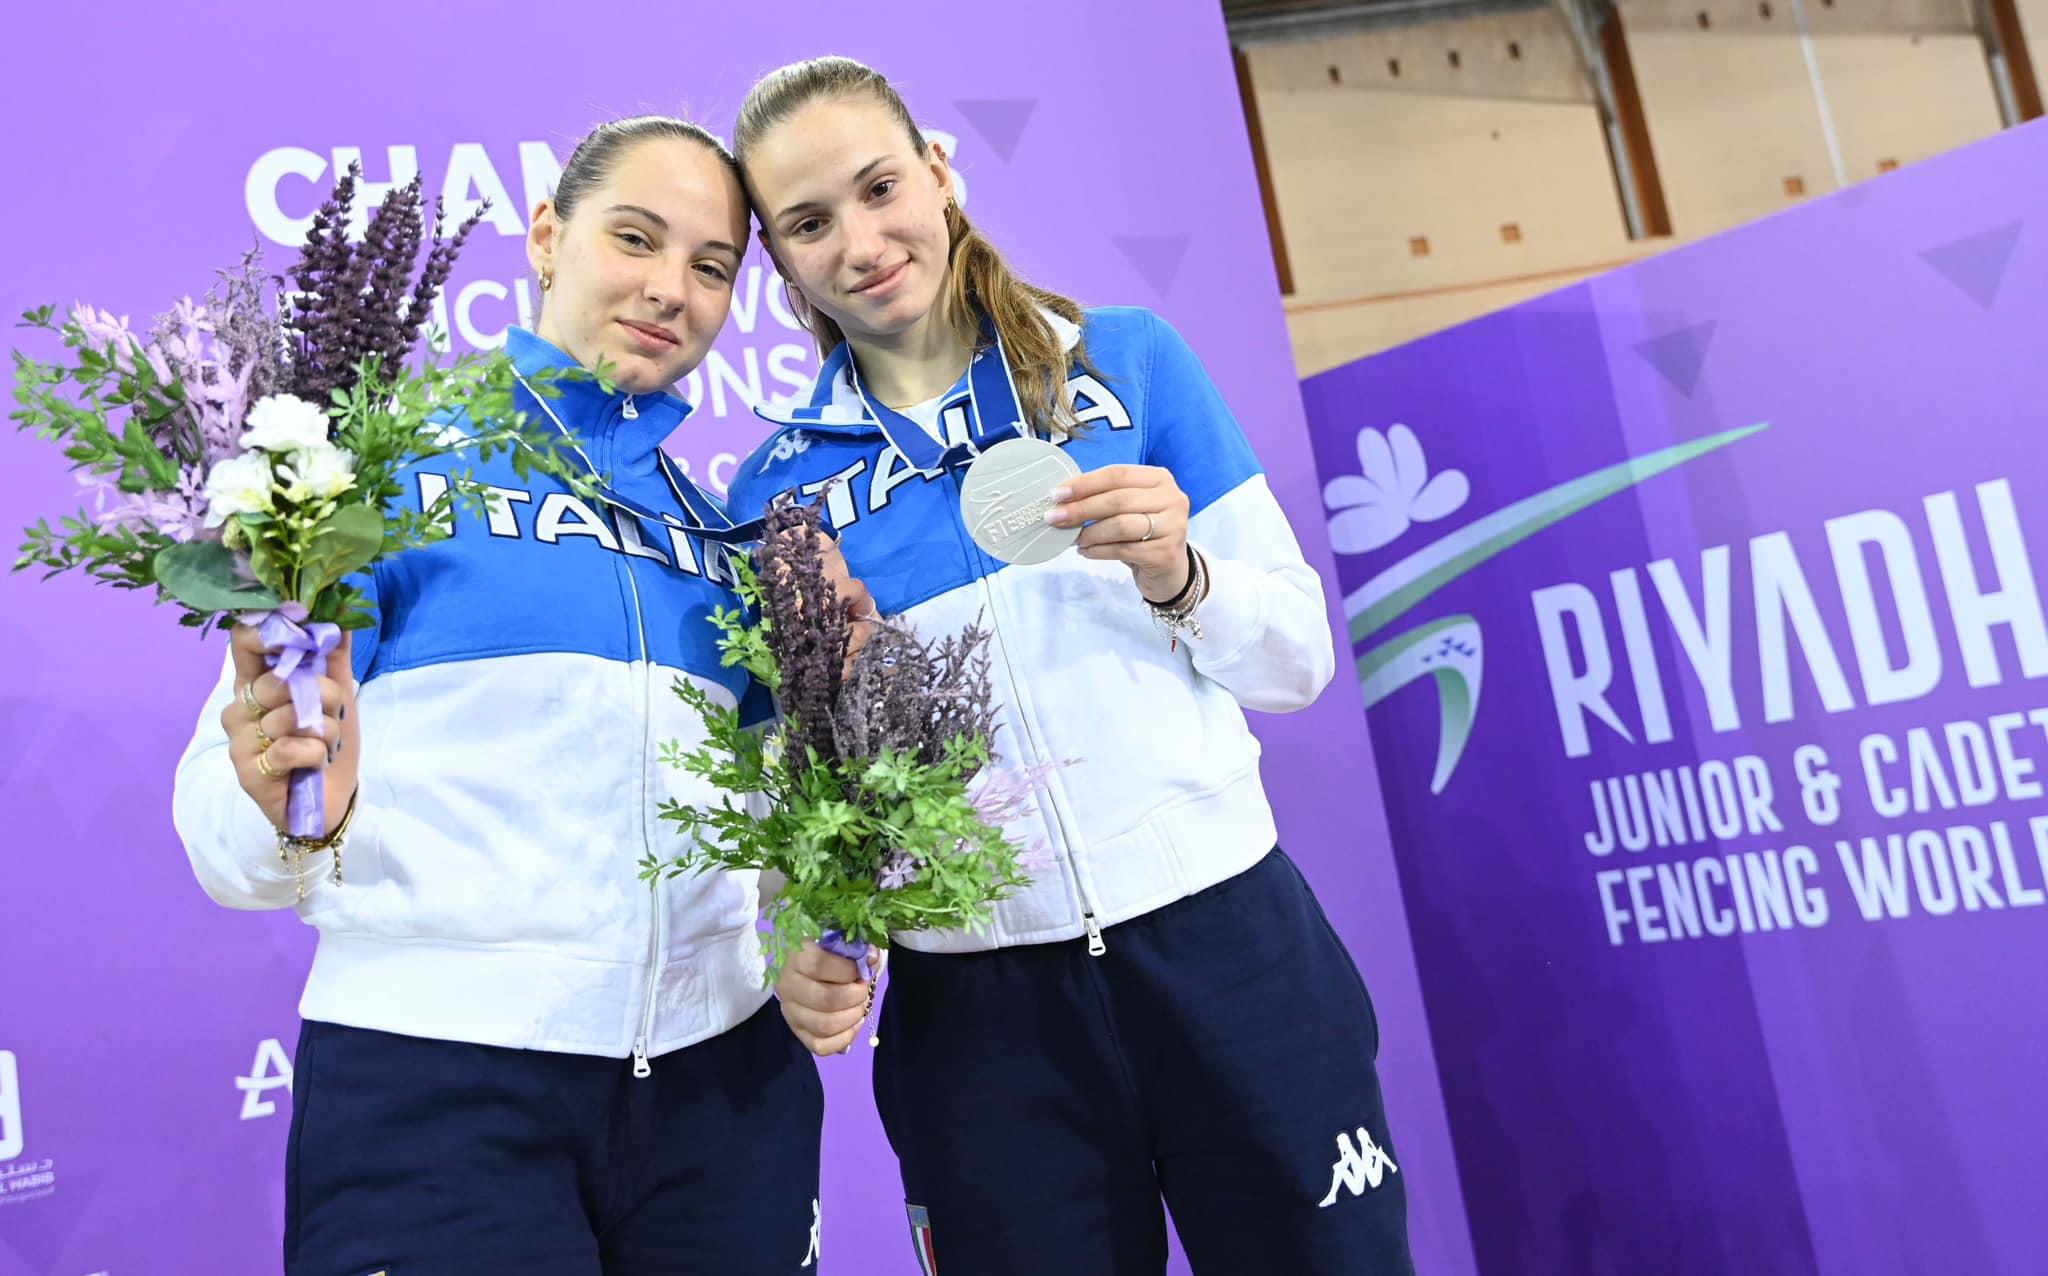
<point x="657" y="932"/>
<point x="1096" y="946"/>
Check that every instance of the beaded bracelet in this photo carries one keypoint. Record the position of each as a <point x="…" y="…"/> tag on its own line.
<point x="1176" y="616"/>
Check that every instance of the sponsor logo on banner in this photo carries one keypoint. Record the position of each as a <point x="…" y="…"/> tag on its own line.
<point x="11" y="1138"/>
<point x="272" y="1071"/>
<point x="22" y="1177"/>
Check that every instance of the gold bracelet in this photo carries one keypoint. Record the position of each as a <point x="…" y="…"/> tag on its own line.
<point x="294" y="850"/>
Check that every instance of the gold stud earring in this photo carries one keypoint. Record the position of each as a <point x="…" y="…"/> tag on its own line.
<point x="547" y="280"/>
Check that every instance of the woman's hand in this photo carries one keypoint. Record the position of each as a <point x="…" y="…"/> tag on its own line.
<point x="1135" y="514"/>
<point x="824" y="998"/>
<point x="264" y="739"/>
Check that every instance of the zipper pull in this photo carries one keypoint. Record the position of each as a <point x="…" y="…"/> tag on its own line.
<point x="1095" y="945"/>
<point x="640" y="1065"/>
<point x="628" y="411"/>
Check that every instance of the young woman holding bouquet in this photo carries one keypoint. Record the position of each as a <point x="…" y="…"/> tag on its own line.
<point x="515" y="1057"/>
<point x="1164" y="1012"/>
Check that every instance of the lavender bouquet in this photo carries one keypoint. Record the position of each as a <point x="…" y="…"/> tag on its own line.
<point x="883" y="809"/>
<point x="243" y="457"/>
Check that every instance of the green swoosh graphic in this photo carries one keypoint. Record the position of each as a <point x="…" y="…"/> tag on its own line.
<point x="1447" y="650"/>
<point x="1383" y="599"/>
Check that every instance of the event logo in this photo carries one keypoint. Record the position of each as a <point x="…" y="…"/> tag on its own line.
<point x="11" y="1140"/>
<point x="19" y="1180"/>
<point x="1360" y="1167"/>
<point x="1393" y="492"/>
<point x="271" y="1071"/>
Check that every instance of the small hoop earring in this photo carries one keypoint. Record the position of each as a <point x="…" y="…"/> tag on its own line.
<point x="547" y="280"/>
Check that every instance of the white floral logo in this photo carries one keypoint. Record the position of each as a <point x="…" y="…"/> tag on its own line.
<point x="1394" y="490"/>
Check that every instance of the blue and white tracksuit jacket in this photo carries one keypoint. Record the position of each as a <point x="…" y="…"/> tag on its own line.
<point x="515" y="694"/>
<point x="1163" y="798"/>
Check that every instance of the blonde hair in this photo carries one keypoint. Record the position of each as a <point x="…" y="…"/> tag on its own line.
<point x="978" y="281"/>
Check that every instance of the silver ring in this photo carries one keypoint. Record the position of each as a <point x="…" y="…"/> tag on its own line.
<point x="1151" y="527"/>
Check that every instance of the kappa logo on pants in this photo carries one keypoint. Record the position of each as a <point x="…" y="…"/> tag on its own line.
<point x="1360" y="1166"/>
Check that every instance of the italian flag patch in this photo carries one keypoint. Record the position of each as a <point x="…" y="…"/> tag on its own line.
<point x="921" y="1239"/>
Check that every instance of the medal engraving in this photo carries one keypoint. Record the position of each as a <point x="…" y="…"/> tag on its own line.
<point x="1005" y="495"/>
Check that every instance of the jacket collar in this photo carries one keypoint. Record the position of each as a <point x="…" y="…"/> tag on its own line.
<point x="831" y="404"/>
<point x="619" y="432"/>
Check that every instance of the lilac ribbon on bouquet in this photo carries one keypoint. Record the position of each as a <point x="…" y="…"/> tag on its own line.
<point x="835" y="941"/>
<point x="297" y="653"/>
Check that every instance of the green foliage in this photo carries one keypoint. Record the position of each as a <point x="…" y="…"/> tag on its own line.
<point x="832" y="825"/>
<point x="115" y="418"/>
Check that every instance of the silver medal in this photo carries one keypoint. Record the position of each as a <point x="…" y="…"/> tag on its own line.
<point x="1005" y="495"/>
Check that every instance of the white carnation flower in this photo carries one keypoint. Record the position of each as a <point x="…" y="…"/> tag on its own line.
<point x="238" y="485"/>
<point x="285" y="423"/>
<point x="317" y="473"/>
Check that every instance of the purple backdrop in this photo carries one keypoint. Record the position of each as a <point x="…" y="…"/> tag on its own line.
<point x="144" y="1032"/>
<point x="1849" y="1080"/>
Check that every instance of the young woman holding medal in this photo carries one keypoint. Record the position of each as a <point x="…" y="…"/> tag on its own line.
<point x="515" y="1057"/>
<point x="1164" y="1012"/>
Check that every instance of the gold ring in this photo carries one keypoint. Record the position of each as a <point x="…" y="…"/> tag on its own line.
<point x="263" y="765"/>
<point x="249" y="701"/>
<point x="263" y="740"/>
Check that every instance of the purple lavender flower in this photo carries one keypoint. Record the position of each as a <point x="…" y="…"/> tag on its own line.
<point x="806" y="625"/>
<point x="359" y="300"/>
<point x="904" y="693"/>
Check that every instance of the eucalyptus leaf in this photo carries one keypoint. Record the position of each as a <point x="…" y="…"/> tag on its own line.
<point x="263" y="565"/>
<point x="344" y="542"/>
<point x="202" y="575"/>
